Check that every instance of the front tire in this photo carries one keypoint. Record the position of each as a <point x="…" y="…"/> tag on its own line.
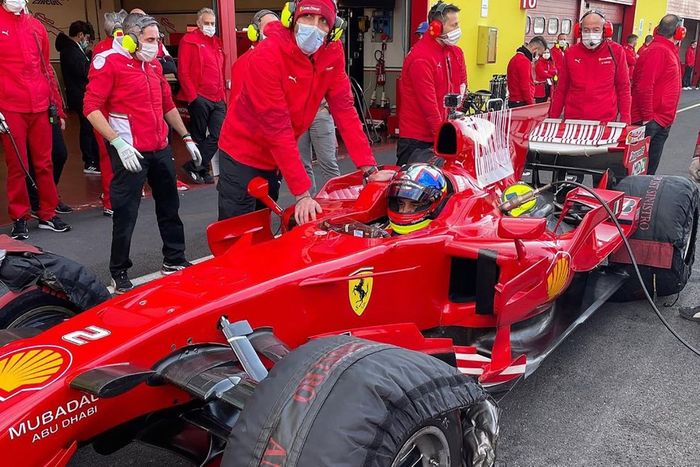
<point x="351" y="402"/>
<point x="36" y="308"/>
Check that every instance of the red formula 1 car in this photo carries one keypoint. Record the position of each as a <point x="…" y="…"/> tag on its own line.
<point x="336" y="342"/>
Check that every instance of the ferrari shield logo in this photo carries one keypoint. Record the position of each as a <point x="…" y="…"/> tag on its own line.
<point x="31" y="369"/>
<point x="558" y="275"/>
<point x="360" y="290"/>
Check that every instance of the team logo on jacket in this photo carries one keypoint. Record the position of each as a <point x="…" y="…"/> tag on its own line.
<point x="360" y="289"/>
<point x="558" y="275"/>
<point x="32" y="369"/>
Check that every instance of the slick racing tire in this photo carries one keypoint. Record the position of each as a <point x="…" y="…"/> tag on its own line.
<point x="36" y="308"/>
<point x="346" y="401"/>
<point x="666" y="233"/>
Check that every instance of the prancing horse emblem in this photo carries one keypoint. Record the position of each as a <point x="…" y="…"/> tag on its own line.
<point x="360" y="290"/>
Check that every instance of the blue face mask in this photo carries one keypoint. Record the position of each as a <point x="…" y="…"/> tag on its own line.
<point x="309" y="38"/>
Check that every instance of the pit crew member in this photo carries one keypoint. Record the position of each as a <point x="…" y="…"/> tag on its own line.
<point x="631" y="53"/>
<point x="594" y="82"/>
<point x="127" y="83"/>
<point x="434" y="67"/>
<point x="521" y="85"/>
<point x="283" y="83"/>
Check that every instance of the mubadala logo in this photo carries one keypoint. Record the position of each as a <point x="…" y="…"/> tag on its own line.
<point x="51" y="421"/>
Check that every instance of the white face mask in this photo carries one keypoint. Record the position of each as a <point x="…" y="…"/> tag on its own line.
<point x="208" y="30"/>
<point x="562" y="43"/>
<point x="147" y="52"/>
<point x="15" y="6"/>
<point x="452" y="37"/>
<point x="309" y="38"/>
<point x="591" y="40"/>
<point x="546" y="55"/>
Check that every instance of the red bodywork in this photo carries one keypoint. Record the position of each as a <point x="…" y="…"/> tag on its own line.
<point x="305" y="283"/>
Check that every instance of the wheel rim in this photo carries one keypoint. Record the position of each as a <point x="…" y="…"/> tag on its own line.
<point x="428" y="447"/>
<point x="42" y="317"/>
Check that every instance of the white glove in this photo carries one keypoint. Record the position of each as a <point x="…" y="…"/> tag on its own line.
<point x="3" y="125"/>
<point x="694" y="169"/>
<point x="193" y="150"/>
<point x="128" y="154"/>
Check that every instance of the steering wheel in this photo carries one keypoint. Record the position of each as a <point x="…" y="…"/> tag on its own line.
<point x="356" y="229"/>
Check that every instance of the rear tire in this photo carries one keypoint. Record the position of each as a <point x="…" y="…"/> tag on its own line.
<point x="669" y="221"/>
<point x="351" y="402"/>
<point x="36" y="309"/>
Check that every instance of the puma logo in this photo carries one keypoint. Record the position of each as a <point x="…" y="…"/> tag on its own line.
<point x="577" y="60"/>
<point x="130" y="65"/>
<point x="293" y="78"/>
<point x="7" y="33"/>
<point x="330" y="68"/>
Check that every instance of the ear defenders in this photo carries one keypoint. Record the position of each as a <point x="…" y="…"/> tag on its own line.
<point x="679" y="33"/>
<point x="130" y="42"/>
<point x="607" y="26"/>
<point x="254" y="33"/>
<point x="435" y="27"/>
<point x="287" y="20"/>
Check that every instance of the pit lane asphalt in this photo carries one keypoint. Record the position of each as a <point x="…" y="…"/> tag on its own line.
<point x="619" y="391"/>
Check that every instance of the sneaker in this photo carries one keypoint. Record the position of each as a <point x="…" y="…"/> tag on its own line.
<point x="693" y="314"/>
<point x="55" y="224"/>
<point x="192" y="172"/>
<point x="168" y="269"/>
<point x="107" y="212"/>
<point x="63" y="208"/>
<point x="208" y="179"/>
<point x="91" y="170"/>
<point x="121" y="283"/>
<point x="19" y="230"/>
<point x="182" y="186"/>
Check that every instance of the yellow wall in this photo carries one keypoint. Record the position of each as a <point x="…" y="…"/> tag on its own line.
<point x="647" y="15"/>
<point x="505" y="15"/>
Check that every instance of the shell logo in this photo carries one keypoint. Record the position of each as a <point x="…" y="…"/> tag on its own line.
<point x="32" y="369"/>
<point x="558" y="276"/>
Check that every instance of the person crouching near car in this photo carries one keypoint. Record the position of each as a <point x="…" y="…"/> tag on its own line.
<point x="434" y="67"/>
<point x="282" y="85"/>
<point x="127" y="83"/>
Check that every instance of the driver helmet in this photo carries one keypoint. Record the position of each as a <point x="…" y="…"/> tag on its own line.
<point x="415" y="196"/>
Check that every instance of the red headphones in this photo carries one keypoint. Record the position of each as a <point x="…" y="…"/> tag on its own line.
<point x="607" y="26"/>
<point x="679" y="33"/>
<point x="435" y="26"/>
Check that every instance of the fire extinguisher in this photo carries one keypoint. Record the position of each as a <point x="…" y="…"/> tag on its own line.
<point x="380" y="71"/>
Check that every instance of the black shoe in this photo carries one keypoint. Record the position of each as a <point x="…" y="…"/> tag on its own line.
<point x="63" y="208"/>
<point x="121" y="283"/>
<point x="208" y="179"/>
<point x="693" y="314"/>
<point x="107" y="212"/>
<point x="92" y="170"/>
<point x="191" y="170"/>
<point x="168" y="269"/>
<point x="55" y="224"/>
<point x="19" y="230"/>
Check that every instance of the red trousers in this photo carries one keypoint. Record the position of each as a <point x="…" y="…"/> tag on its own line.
<point x="105" y="168"/>
<point x="31" y="129"/>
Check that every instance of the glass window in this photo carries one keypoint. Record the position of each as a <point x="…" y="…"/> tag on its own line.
<point x="566" y="26"/>
<point x="538" y="25"/>
<point x="553" y="26"/>
<point x="528" y="25"/>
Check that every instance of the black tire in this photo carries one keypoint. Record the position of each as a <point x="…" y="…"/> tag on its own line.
<point x="36" y="309"/>
<point x="669" y="219"/>
<point x="350" y="402"/>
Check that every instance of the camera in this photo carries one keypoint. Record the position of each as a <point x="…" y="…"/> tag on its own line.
<point x="53" y="114"/>
<point x="452" y="101"/>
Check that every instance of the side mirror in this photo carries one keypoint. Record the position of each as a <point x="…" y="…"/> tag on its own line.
<point x="258" y="188"/>
<point x="521" y="228"/>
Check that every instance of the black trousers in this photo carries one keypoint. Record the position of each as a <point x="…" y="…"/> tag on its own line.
<point x="234" y="177"/>
<point x="410" y="150"/>
<point x="516" y="104"/>
<point x="206" y="115"/>
<point x="688" y="77"/>
<point x="88" y="143"/>
<point x="159" y="169"/>
<point x="59" y="156"/>
<point x="658" y="135"/>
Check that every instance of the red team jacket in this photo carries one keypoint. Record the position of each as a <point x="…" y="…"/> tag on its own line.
<point x="656" y="88"/>
<point x="631" y="57"/>
<point x="521" y="86"/>
<point x="279" y="95"/>
<point x="593" y="84"/>
<point x="430" y="71"/>
<point x="133" y="94"/>
<point x="690" y="57"/>
<point x="27" y="81"/>
<point x="544" y="70"/>
<point x="200" y="67"/>
<point x="558" y="56"/>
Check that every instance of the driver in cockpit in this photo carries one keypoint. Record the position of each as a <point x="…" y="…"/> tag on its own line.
<point x="416" y="195"/>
